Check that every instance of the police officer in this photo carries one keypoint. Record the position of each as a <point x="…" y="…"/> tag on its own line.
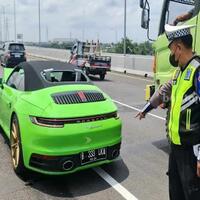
<point x="183" y="91"/>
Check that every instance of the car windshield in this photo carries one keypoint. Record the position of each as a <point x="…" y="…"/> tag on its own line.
<point x="16" y="47"/>
<point x="51" y="75"/>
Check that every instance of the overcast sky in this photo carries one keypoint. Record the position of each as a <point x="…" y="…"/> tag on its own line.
<point x="81" y="19"/>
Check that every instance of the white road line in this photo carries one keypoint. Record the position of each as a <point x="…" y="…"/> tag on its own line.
<point x="133" y="77"/>
<point x="117" y="186"/>
<point x="133" y="108"/>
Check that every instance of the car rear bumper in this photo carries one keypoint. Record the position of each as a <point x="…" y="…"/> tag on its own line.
<point x="70" y="163"/>
<point x="98" y="70"/>
<point x="67" y="143"/>
<point x="12" y="62"/>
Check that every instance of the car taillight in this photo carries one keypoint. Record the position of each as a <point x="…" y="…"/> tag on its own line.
<point x="154" y="66"/>
<point x="8" y="55"/>
<point x="51" y="123"/>
<point x="59" y="123"/>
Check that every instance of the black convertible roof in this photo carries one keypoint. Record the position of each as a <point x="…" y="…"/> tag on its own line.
<point x="33" y="70"/>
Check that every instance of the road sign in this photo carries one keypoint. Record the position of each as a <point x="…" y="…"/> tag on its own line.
<point x="20" y="36"/>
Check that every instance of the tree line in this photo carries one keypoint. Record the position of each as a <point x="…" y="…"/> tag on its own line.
<point x="144" y="48"/>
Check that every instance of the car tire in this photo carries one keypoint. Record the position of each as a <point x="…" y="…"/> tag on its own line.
<point x="16" y="148"/>
<point x="102" y="76"/>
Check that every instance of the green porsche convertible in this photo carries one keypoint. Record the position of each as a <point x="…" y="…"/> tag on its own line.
<point x="56" y="120"/>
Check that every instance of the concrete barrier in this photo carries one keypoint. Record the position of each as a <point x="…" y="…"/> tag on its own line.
<point x="133" y="64"/>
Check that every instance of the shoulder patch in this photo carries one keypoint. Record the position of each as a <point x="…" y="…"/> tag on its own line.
<point x="188" y="74"/>
<point x="198" y="83"/>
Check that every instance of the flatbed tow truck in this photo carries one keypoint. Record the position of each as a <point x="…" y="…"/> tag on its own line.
<point x="87" y="56"/>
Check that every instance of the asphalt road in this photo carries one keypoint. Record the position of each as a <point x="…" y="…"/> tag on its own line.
<point x="139" y="173"/>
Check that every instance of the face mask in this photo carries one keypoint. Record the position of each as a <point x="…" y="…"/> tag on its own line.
<point x="173" y="61"/>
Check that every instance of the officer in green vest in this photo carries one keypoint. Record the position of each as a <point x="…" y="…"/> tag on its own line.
<point x="183" y="93"/>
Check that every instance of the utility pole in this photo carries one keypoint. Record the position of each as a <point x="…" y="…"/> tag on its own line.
<point x="98" y="37"/>
<point x="4" y="23"/>
<point x="47" y="34"/>
<point x="1" y="28"/>
<point x="83" y="34"/>
<point x="7" y="30"/>
<point x="83" y="26"/>
<point x="39" y="22"/>
<point x="15" y="26"/>
<point x="124" y="34"/>
<point x="116" y="36"/>
<point x="124" y="27"/>
<point x="70" y="36"/>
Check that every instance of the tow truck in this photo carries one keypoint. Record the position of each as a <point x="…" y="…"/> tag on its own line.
<point x="171" y="9"/>
<point x="87" y="56"/>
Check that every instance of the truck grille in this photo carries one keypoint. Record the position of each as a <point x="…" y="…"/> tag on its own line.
<point x="78" y="97"/>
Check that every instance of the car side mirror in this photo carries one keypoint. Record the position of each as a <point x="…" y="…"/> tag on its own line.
<point x="145" y="19"/>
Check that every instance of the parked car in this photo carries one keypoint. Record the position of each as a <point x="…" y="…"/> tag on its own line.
<point x="12" y="54"/>
<point x="56" y="119"/>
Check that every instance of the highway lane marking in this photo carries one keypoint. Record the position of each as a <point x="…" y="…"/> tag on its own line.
<point x="117" y="186"/>
<point x="132" y="77"/>
<point x="136" y="109"/>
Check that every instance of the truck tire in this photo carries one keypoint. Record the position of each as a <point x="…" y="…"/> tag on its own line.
<point x="102" y="76"/>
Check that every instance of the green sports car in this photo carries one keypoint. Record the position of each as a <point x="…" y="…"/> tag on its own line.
<point x="56" y="120"/>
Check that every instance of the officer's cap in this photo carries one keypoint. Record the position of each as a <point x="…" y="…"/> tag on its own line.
<point x="175" y="32"/>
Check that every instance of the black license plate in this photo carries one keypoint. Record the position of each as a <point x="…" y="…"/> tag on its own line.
<point x="93" y="156"/>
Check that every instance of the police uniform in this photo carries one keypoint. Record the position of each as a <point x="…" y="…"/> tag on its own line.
<point x="183" y="91"/>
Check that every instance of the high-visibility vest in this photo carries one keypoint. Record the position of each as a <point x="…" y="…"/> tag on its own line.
<point x="184" y="120"/>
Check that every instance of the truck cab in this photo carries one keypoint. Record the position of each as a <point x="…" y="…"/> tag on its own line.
<point x="171" y="9"/>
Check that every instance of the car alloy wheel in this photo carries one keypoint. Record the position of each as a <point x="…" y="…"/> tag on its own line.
<point x="14" y="144"/>
<point x="16" y="148"/>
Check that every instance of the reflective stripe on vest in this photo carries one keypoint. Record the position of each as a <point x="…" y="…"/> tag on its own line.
<point x="182" y="82"/>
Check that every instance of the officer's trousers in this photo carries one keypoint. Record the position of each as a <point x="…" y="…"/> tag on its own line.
<point x="183" y="181"/>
